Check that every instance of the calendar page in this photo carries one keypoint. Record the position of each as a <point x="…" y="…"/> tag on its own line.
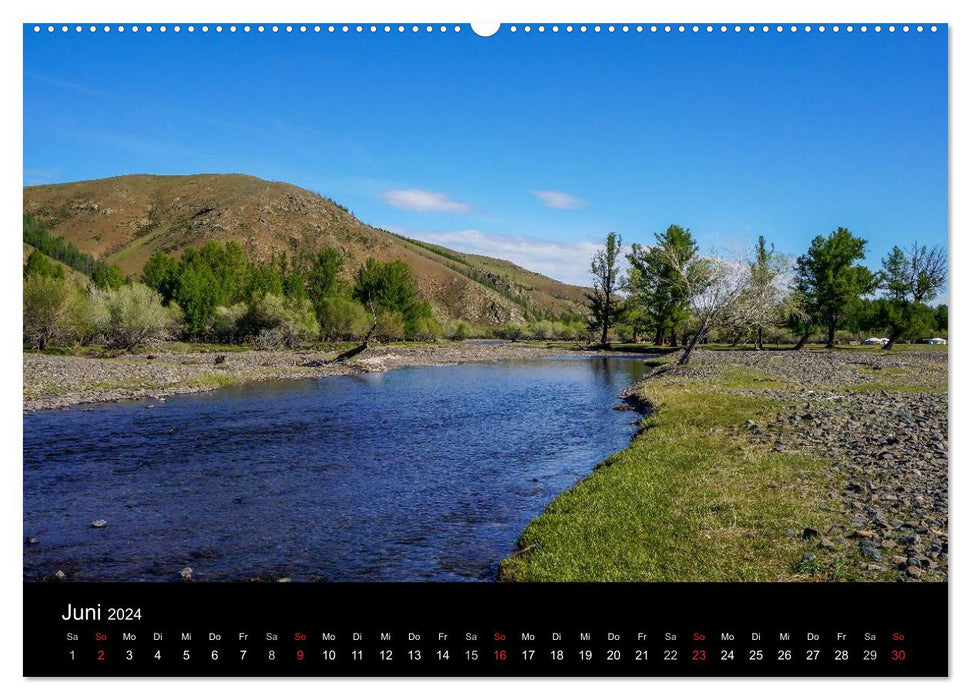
<point x="515" y="349"/>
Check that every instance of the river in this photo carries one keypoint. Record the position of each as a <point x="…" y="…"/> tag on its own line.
<point x="420" y="474"/>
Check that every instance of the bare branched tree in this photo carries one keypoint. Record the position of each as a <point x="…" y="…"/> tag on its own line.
<point x="713" y="285"/>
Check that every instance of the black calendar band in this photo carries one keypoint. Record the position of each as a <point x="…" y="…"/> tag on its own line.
<point x="403" y="629"/>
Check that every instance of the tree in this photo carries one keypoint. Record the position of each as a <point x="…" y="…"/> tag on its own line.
<point x="161" y="273"/>
<point x="763" y="299"/>
<point x="327" y="293"/>
<point x="713" y="286"/>
<point x="655" y="285"/>
<point x="604" y="305"/>
<point x="40" y="265"/>
<point x="940" y="318"/>
<point x="828" y="280"/>
<point x="910" y="279"/>
<point x="107" y="276"/>
<point x="797" y="317"/>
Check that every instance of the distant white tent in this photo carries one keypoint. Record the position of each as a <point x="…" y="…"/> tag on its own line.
<point x="875" y="341"/>
<point x="937" y="341"/>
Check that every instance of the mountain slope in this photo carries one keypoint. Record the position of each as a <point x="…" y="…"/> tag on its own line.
<point x="123" y="220"/>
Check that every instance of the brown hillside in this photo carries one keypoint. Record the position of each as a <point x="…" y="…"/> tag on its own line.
<point x="123" y="220"/>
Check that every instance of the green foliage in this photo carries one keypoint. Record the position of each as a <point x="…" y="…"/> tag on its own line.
<point x="45" y="309"/>
<point x="37" y="235"/>
<point x="161" y="273"/>
<point x="273" y="321"/>
<point x="512" y="331"/>
<point x="909" y="278"/>
<point x="603" y="301"/>
<point x="39" y="265"/>
<point x="828" y="280"/>
<point x="323" y="277"/>
<point x="132" y="315"/>
<point x="656" y="287"/>
<point x="391" y="290"/>
<point x="341" y="318"/>
<point x="107" y="277"/>
<point x="458" y="330"/>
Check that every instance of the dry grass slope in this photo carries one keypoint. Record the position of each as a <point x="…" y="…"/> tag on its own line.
<point x="125" y="219"/>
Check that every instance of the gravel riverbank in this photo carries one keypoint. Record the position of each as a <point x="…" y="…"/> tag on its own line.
<point x="59" y="381"/>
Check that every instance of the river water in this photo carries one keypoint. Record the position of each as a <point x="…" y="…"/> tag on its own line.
<point x="420" y="474"/>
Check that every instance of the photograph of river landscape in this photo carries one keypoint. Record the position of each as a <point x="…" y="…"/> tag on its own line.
<point x="549" y="305"/>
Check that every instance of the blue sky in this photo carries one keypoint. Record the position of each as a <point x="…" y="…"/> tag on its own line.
<point x="528" y="147"/>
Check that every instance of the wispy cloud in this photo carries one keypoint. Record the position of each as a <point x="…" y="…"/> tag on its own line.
<point x="566" y="261"/>
<point x="559" y="200"/>
<point x="83" y="89"/>
<point x="423" y="200"/>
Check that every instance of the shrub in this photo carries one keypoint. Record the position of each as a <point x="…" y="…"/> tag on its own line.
<point x="275" y="322"/>
<point x="458" y="330"/>
<point x="342" y="318"/>
<point x="226" y="323"/>
<point x="540" y="330"/>
<point x="390" y="326"/>
<point x="511" y="331"/>
<point x="423" y="328"/>
<point x="46" y="307"/>
<point x="131" y="315"/>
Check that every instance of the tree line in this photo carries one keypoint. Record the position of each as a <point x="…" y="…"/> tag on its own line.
<point x="676" y="295"/>
<point x="216" y="293"/>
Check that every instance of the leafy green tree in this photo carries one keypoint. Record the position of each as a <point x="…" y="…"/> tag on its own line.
<point x="655" y="283"/>
<point x="197" y="294"/>
<point x="604" y="301"/>
<point x="910" y="279"/>
<point x="107" y="277"/>
<point x="325" y="287"/>
<point x="263" y="280"/>
<point x="161" y="273"/>
<point x="39" y="265"/>
<point x="940" y="318"/>
<point x="389" y="290"/>
<point x="828" y="280"/>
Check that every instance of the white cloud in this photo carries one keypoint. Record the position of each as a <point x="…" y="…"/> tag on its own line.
<point x="566" y="261"/>
<point x="423" y="200"/>
<point x="559" y="200"/>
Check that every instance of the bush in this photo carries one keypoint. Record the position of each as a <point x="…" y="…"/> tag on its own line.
<point x="226" y="323"/>
<point x="275" y="322"/>
<point x="458" y="330"/>
<point x="423" y="328"/>
<point x="131" y="315"/>
<point x="511" y="331"/>
<point x="390" y="326"/>
<point x="46" y="307"/>
<point x="540" y="330"/>
<point x="342" y="318"/>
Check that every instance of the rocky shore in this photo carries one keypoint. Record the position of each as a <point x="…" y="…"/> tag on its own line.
<point x="59" y="381"/>
<point x="880" y="421"/>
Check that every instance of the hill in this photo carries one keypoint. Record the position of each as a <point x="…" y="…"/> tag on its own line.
<point x="123" y="220"/>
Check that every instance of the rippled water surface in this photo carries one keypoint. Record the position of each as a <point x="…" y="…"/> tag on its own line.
<point x="417" y="474"/>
